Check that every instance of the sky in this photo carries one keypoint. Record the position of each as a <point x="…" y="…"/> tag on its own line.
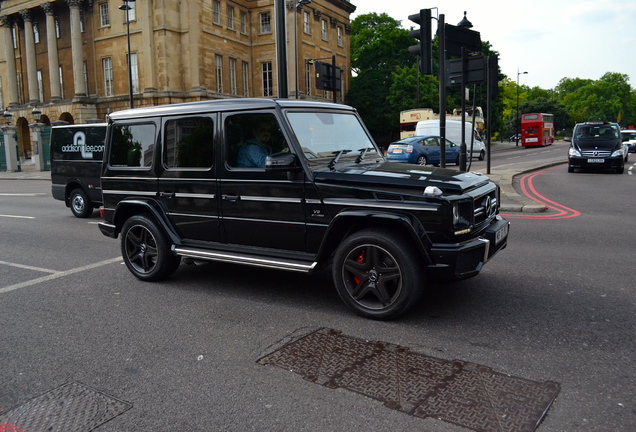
<point x="549" y="39"/>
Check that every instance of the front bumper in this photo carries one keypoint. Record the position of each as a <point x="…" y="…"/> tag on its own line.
<point x="596" y="163"/>
<point x="466" y="259"/>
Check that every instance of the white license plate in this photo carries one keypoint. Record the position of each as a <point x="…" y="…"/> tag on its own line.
<point x="595" y="160"/>
<point x="501" y="234"/>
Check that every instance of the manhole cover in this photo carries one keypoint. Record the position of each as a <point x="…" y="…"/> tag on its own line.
<point x="72" y="407"/>
<point x="466" y="394"/>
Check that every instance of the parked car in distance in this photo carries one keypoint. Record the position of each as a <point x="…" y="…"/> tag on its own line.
<point x="422" y="150"/>
<point x="454" y="134"/>
<point x="629" y="138"/>
<point x="597" y="145"/>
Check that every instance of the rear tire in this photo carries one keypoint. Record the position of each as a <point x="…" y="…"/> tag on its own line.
<point x="378" y="274"/>
<point x="146" y="249"/>
<point x="422" y="160"/>
<point x="81" y="205"/>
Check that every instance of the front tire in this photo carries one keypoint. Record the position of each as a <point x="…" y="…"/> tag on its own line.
<point x="378" y="274"/>
<point x="146" y="249"/>
<point x="80" y="204"/>
<point x="482" y="155"/>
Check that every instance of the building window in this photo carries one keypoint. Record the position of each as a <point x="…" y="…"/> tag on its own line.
<point x="36" y="32"/>
<point x="134" y="72"/>
<point x="82" y="22"/>
<point x="104" y="18"/>
<point x="246" y="79"/>
<point x="57" y="28"/>
<point x="15" y="39"/>
<point x="216" y="12"/>
<point x="233" y="77"/>
<point x="107" y="65"/>
<point x="268" y="79"/>
<point x="230" y="18"/>
<point x="40" y="85"/>
<point x="218" y="64"/>
<point x="308" y="78"/>
<point x="243" y="22"/>
<point x="340" y="43"/>
<point x="59" y="69"/>
<point x="306" y="22"/>
<point x="266" y="22"/>
<point x="323" y="28"/>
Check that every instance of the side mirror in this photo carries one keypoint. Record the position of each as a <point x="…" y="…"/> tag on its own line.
<point x="282" y="162"/>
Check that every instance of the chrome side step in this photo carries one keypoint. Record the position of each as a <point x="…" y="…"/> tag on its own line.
<point x="246" y="259"/>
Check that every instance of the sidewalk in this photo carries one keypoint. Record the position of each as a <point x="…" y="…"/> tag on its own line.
<point x="511" y="200"/>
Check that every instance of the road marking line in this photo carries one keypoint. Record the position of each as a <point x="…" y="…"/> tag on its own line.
<point x="28" y="267"/>
<point x="58" y="275"/>
<point x="24" y="194"/>
<point x="17" y="217"/>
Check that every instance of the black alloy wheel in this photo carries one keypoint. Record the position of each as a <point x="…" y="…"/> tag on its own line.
<point x="378" y="274"/>
<point x="146" y="249"/>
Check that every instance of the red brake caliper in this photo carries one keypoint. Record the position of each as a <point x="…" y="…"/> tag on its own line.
<point x="360" y="260"/>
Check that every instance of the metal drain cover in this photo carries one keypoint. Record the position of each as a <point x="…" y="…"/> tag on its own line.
<point x="466" y="394"/>
<point x="72" y="407"/>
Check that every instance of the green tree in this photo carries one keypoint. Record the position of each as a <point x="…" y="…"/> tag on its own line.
<point x="610" y="98"/>
<point x="379" y="46"/>
<point x="411" y="89"/>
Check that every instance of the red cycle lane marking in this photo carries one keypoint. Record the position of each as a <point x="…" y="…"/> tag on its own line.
<point x="10" y="427"/>
<point x="528" y="189"/>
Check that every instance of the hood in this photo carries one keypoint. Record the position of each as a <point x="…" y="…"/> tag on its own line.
<point x="598" y="144"/>
<point x="402" y="175"/>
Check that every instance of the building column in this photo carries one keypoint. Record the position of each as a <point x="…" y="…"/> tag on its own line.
<point x="12" y="72"/>
<point x="32" y="77"/>
<point x="76" y="48"/>
<point x="51" y="46"/>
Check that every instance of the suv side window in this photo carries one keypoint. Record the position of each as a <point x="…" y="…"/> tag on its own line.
<point x="132" y="145"/>
<point x="189" y="143"/>
<point x="251" y="138"/>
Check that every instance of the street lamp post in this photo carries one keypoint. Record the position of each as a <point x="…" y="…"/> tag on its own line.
<point x="297" y="5"/>
<point x="518" y="118"/>
<point x="126" y="8"/>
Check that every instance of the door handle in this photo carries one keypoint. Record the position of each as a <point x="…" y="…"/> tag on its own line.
<point x="231" y="198"/>
<point x="168" y="195"/>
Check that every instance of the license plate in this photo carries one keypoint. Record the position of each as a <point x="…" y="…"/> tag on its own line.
<point x="397" y="151"/>
<point x="501" y="234"/>
<point x="595" y="160"/>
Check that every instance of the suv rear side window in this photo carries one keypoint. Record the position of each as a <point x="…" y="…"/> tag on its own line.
<point x="189" y="143"/>
<point x="132" y="145"/>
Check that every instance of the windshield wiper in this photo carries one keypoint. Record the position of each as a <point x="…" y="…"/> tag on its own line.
<point x="362" y="154"/>
<point x="337" y="154"/>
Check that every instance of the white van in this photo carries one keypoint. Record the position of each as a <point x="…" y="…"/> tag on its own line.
<point x="454" y="134"/>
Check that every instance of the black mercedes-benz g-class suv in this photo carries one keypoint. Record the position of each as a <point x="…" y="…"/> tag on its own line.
<point x="291" y="185"/>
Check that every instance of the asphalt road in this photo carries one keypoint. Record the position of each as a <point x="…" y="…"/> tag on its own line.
<point x="556" y="305"/>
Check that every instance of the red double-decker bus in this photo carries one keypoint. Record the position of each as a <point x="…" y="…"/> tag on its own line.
<point x="537" y="129"/>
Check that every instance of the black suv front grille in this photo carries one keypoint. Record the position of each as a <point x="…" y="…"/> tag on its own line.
<point x="485" y="207"/>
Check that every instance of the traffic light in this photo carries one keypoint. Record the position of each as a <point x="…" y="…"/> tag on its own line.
<point x="423" y="34"/>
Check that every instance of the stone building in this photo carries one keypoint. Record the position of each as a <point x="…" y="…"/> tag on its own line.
<point x="69" y="58"/>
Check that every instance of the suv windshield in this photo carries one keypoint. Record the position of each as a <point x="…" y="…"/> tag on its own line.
<point x="323" y="136"/>
<point x="596" y="131"/>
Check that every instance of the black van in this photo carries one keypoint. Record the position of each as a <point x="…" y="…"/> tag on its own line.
<point x="76" y="160"/>
<point x="596" y="145"/>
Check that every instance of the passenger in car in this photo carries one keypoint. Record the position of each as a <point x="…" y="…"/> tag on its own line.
<point x="254" y="151"/>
